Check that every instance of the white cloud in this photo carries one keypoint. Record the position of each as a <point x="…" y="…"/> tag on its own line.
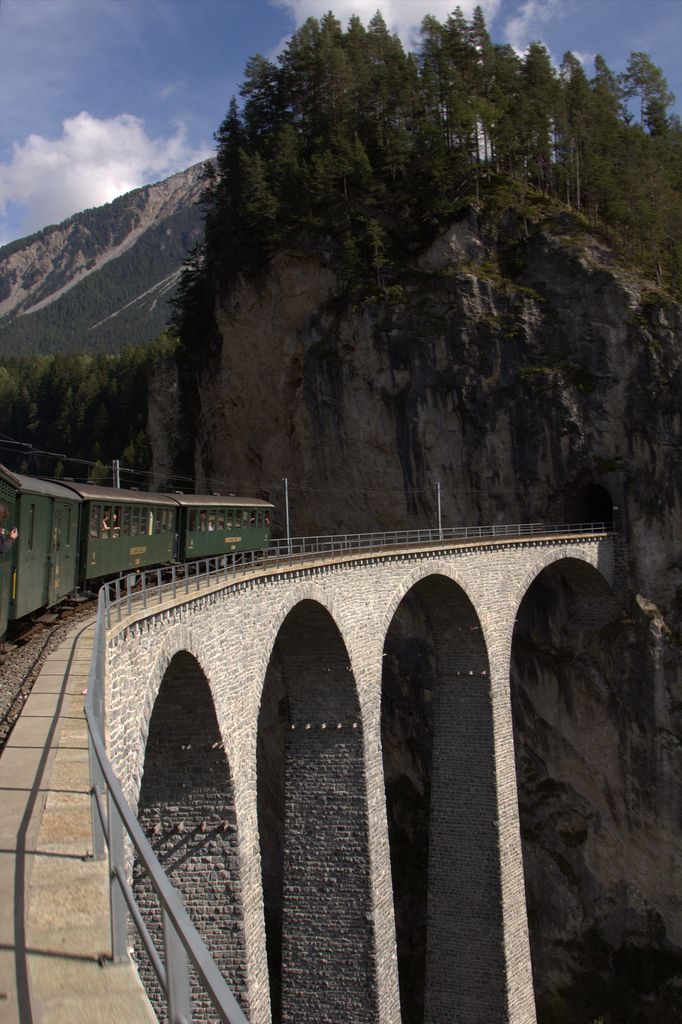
<point x="171" y="89"/>
<point x="94" y="161"/>
<point x="522" y="29"/>
<point x="401" y="16"/>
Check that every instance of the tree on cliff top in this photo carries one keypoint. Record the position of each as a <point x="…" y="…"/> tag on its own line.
<point x="348" y="139"/>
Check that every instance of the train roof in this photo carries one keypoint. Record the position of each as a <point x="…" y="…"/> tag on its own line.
<point x="118" y="495"/>
<point x="9" y="478"/>
<point x="48" y="488"/>
<point x="71" y="490"/>
<point x="219" y="501"/>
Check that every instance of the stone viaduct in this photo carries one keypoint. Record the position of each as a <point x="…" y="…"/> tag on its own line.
<point x="247" y="727"/>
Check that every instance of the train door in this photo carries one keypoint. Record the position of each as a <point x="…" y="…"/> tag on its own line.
<point x="63" y="547"/>
<point x="7" y="502"/>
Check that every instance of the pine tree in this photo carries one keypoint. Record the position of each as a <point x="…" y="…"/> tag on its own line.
<point x="537" y="115"/>
<point x="643" y="79"/>
<point x="574" y="126"/>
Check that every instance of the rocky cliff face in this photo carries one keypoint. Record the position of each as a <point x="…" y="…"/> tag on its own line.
<point x="524" y="369"/>
<point x="102" y="274"/>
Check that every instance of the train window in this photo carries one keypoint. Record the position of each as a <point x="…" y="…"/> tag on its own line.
<point x="259" y="518"/>
<point x="202" y="520"/>
<point x="220" y="520"/>
<point x="267" y="519"/>
<point x="68" y="526"/>
<point x="150" y="521"/>
<point x="106" y="522"/>
<point x="94" y="520"/>
<point x="116" y="522"/>
<point x="159" y="524"/>
<point x="135" y="522"/>
<point x="192" y="521"/>
<point x="125" y="521"/>
<point x="245" y="518"/>
<point x="31" y="521"/>
<point x="228" y="518"/>
<point x="211" y="522"/>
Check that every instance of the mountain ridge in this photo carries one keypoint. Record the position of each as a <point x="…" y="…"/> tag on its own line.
<point x="102" y="278"/>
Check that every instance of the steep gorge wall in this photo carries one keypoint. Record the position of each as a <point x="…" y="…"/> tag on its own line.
<point x="517" y="366"/>
<point x="512" y="393"/>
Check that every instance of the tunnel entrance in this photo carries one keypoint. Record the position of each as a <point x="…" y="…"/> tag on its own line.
<point x="591" y="504"/>
<point x="312" y="817"/>
<point x="439" y="772"/>
<point x="186" y="809"/>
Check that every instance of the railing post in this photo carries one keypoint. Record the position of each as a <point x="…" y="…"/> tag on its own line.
<point x="177" y="974"/>
<point x="119" y="916"/>
<point x="97" y="790"/>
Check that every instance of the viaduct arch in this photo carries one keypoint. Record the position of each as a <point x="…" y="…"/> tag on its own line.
<point x="260" y="654"/>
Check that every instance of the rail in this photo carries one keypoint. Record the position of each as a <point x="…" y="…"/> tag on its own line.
<point x="139" y="589"/>
<point x="112" y="821"/>
<point x="112" y="818"/>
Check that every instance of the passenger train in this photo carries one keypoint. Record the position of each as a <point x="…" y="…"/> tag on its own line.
<point x="71" y="534"/>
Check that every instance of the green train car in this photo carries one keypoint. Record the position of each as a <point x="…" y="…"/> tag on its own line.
<point x="123" y="530"/>
<point x="71" y="534"/>
<point x="212" y="524"/>
<point x="45" y="556"/>
<point x="9" y="486"/>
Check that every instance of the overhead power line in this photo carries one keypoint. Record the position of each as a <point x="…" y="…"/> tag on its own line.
<point x="235" y="487"/>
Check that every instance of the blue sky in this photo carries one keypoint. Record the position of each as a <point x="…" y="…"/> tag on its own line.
<point x="100" y="96"/>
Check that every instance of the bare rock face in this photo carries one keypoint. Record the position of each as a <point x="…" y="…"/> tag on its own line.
<point x="163" y="420"/>
<point x="519" y="368"/>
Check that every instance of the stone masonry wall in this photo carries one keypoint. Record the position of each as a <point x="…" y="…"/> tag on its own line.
<point x="186" y="809"/>
<point x="232" y="633"/>
<point x="327" y="949"/>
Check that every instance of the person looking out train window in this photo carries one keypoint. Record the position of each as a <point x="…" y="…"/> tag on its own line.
<point x="6" y="539"/>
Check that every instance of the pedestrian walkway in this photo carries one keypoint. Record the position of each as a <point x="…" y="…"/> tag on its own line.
<point x="54" y="904"/>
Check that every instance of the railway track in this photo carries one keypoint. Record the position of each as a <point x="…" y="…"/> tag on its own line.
<point x="28" y="644"/>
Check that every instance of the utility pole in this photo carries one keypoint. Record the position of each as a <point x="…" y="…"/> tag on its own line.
<point x="286" y="513"/>
<point x="440" y="517"/>
<point x="116" y="472"/>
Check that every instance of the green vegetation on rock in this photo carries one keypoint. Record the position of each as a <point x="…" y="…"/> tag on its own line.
<point x="348" y="145"/>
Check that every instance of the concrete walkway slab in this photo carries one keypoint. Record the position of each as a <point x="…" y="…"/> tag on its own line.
<point x="54" y="902"/>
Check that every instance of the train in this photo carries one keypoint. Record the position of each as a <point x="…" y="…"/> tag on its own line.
<point x="73" y="534"/>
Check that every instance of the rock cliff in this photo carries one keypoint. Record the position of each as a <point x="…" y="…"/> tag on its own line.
<point x="526" y="369"/>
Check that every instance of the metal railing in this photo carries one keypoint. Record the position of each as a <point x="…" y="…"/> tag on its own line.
<point x="112" y="818"/>
<point x="112" y="821"/>
<point x="357" y="542"/>
<point x="154" y="586"/>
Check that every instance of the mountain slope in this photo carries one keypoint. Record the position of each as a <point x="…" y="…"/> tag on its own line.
<point x="101" y="279"/>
